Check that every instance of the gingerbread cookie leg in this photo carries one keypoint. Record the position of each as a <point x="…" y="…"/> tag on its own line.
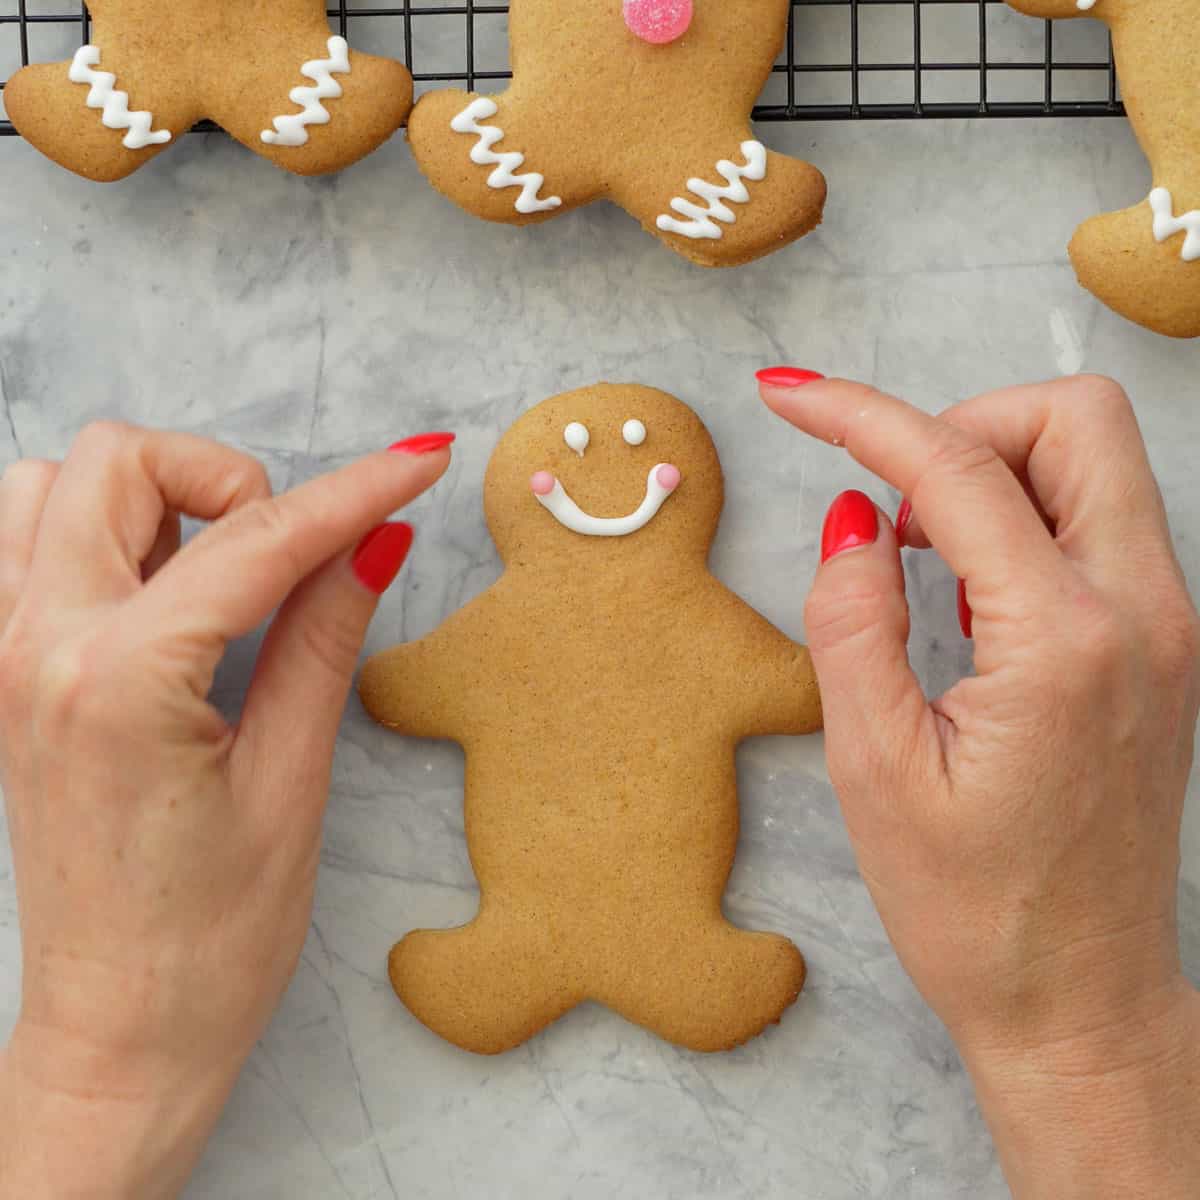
<point x="97" y="115"/>
<point x="712" y="988"/>
<point x="490" y="159"/>
<point x="311" y="104"/>
<point x="729" y="200"/>
<point x="1144" y="262"/>
<point x="483" y="986"/>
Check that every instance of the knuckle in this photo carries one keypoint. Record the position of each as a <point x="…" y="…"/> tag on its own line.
<point x="1104" y="394"/>
<point x="954" y="451"/>
<point x="1101" y="644"/>
<point x="260" y="518"/>
<point x="102" y="436"/>
<point x="267" y="523"/>
<point x="254" y="481"/>
<point x="333" y="644"/>
<point x="832" y="618"/>
<point x="69" y="690"/>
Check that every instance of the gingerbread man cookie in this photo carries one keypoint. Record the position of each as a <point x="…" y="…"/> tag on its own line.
<point x="645" y="103"/>
<point x="268" y="71"/>
<point x="599" y="690"/>
<point x="1144" y="262"/>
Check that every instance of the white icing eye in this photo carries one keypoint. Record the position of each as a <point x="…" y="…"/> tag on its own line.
<point x="634" y="432"/>
<point x="577" y="437"/>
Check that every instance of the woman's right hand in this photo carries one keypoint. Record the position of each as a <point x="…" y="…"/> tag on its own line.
<point x="1020" y="835"/>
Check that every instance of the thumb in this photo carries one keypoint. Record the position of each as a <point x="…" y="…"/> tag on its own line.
<point x="298" y="694"/>
<point x="856" y="622"/>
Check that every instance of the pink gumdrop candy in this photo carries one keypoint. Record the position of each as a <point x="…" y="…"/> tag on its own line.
<point x="542" y="483"/>
<point x="659" y="21"/>
<point x="668" y="477"/>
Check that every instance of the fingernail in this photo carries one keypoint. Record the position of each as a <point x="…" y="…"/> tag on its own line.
<point x="787" y="377"/>
<point x="903" y="516"/>
<point x="423" y="443"/>
<point x="852" y="521"/>
<point x="381" y="554"/>
<point x="966" y="618"/>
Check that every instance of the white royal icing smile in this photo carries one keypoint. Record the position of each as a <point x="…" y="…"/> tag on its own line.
<point x="702" y="222"/>
<point x="115" y="104"/>
<point x="483" y="154"/>
<point x="1167" y="224"/>
<point x="660" y="483"/>
<point x="292" y="130"/>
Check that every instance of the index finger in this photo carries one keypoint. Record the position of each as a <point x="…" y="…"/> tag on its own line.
<point x="970" y="504"/>
<point x="230" y="578"/>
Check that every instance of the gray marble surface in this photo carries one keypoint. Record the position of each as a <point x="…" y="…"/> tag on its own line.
<point x="312" y="321"/>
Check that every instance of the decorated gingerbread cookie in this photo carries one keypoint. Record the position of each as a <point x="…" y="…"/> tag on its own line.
<point x="646" y="103"/>
<point x="1144" y="262"/>
<point x="270" y="72"/>
<point x="599" y="689"/>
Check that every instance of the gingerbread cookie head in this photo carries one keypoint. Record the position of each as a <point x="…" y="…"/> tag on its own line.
<point x="271" y="72"/>
<point x="1144" y="261"/>
<point x="605" y="474"/>
<point x="643" y="102"/>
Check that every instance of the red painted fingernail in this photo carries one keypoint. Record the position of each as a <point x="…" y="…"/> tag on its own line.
<point x="423" y="443"/>
<point x="966" y="618"/>
<point x="852" y="521"/>
<point x="787" y="377"/>
<point x="903" y="516"/>
<point x="381" y="554"/>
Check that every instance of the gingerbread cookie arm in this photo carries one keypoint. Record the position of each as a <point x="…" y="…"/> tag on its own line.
<point x="768" y="677"/>
<point x="417" y="688"/>
<point x="782" y="692"/>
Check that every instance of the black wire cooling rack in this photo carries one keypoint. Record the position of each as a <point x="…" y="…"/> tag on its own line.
<point x="844" y="59"/>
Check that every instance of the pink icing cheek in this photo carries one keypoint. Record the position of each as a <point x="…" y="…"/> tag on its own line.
<point x="542" y="483"/>
<point x="668" y="477"/>
<point x="659" y="21"/>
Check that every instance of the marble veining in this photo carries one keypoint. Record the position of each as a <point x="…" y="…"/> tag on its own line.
<point x="312" y="321"/>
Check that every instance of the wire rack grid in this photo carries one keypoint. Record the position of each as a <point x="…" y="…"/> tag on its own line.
<point x="843" y="59"/>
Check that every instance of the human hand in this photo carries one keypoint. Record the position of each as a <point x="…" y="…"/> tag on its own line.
<point x="1020" y="835"/>
<point x="165" y="861"/>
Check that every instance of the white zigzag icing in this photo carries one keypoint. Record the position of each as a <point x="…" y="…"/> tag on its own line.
<point x="292" y="129"/>
<point x="1167" y="224"/>
<point x="114" y="103"/>
<point x="701" y="222"/>
<point x="483" y="154"/>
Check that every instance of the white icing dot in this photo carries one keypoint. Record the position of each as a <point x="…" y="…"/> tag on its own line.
<point x="577" y="437"/>
<point x="634" y="432"/>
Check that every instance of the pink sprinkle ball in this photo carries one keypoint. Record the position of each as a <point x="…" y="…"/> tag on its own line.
<point x="659" y="21"/>
<point x="668" y="477"/>
<point x="542" y="483"/>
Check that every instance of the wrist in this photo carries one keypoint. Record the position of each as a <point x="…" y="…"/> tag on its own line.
<point x="77" y="1120"/>
<point x="1111" y="1112"/>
